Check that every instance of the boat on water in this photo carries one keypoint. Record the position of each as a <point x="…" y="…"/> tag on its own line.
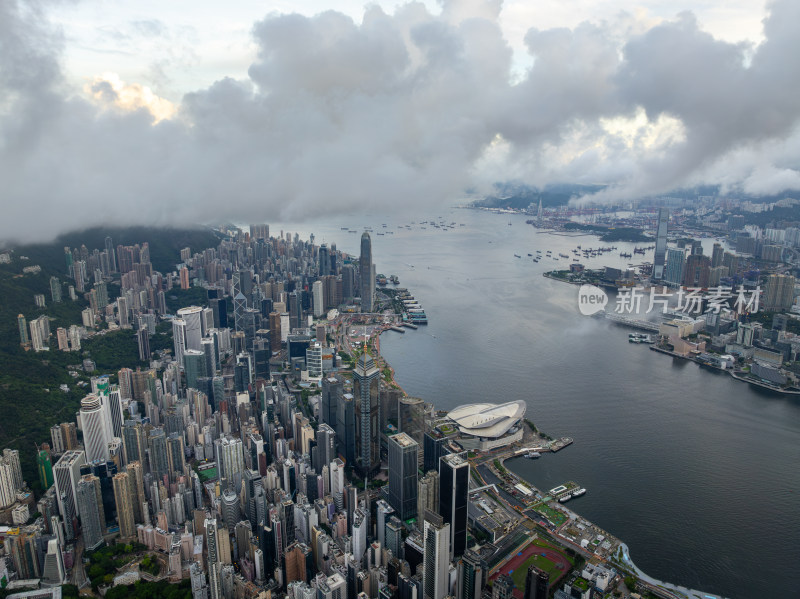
<point x="517" y="256"/>
<point x="532" y="455"/>
<point x="579" y="492"/>
<point x="565" y="498"/>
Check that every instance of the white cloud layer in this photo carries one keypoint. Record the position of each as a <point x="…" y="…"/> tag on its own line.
<point x="395" y="111"/>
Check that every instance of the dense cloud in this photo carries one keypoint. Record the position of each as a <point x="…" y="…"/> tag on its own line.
<point x="401" y="111"/>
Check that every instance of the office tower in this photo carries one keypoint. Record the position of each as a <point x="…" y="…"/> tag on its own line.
<point x="45" y="469"/>
<point x="95" y="424"/>
<point x="366" y="388"/>
<point x="673" y="272"/>
<point x="367" y="275"/>
<point x="239" y="307"/>
<point x="403" y="467"/>
<point x="436" y="560"/>
<point x="428" y="493"/>
<point x="348" y="283"/>
<point x="24" y="340"/>
<point x="326" y="445"/>
<point x="384" y="512"/>
<point x="194" y="329"/>
<point x="194" y="366"/>
<point x="453" y="491"/>
<point x="779" y="292"/>
<point x="316" y="294"/>
<point x="360" y="526"/>
<point x="179" y="338"/>
<point x="314" y="360"/>
<point x="471" y="576"/>
<point x="332" y="388"/>
<point x="212" y="540"/>
<point x="125" y="509"/>
<point x="434" y="449"/>
<point x="209" y="349"/>
<point x="537" y="583"/>
<point x="324" y="267"/>
<point x="295" y="311"/>
<point x="90" y="509"/>
<point x="393" y="535"/>
<point x="661" y="244"/>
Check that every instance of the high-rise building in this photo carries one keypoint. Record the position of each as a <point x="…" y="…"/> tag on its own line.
<point x="157" y="448"/>
<point x="143" y="340"/>
<point x="125" y="508"/>
<point x="24" y="340"/>
<point x="428" y="493"/>
<point x="436" y="560"/>
<point x="67" y="474"/>
<point x="673" y="272"/>
<point x="45" y="469"/>
<point x="179" y="338"/>
<point x="366" y="271"/>
<point x="55" y="289"/>
<point x="96" y="428"/>
<point x="326" y="445"/>
<point x="90" y="506"/>
<point x="317" y="301"/>
<point x="332" y="388"/>
<point x="403" y="465"/>
<point x="194" y="366"/>
<point x="366" y="388"/>
<point x="471" y="576"/>
<point x="779" y="292"/>
<point x="537" y="583"/>
<point x="661" y="244"/>
<point x="214" y="561"/>
<point x="453" y="491"/>
<point x="697" y="270"/>
<point x="194" y="331"/>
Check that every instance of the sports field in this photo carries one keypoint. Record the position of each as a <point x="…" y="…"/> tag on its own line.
<point x="543" y="556"/>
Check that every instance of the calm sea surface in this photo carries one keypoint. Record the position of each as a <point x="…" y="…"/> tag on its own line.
<point x="696" y="472"/>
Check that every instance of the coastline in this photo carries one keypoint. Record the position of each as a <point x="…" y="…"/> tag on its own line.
<point x="657" y="587"/>
<point x="733" y="374"/>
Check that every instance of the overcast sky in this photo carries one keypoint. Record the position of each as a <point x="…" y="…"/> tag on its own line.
<point x="189" y="110"/>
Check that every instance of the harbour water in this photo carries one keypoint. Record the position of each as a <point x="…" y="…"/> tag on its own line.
<point x="696" y="472"/>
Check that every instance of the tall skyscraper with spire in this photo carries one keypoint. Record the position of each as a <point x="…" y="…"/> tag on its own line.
<point x="661" y="244"/>
<point x="366" y="388"/>
<point x="367" y="275"/>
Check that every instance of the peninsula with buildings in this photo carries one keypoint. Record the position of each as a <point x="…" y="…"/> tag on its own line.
<point x="236" y="434"/>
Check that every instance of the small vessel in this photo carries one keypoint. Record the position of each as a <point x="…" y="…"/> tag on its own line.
<point x="532" y="455"/>
<point x="517" y="256"/>
<point x="579" y="492"/>
<point x="565" y="498"/>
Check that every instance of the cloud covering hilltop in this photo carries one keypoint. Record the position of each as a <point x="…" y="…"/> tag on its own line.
<point x="400" y="111"/>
